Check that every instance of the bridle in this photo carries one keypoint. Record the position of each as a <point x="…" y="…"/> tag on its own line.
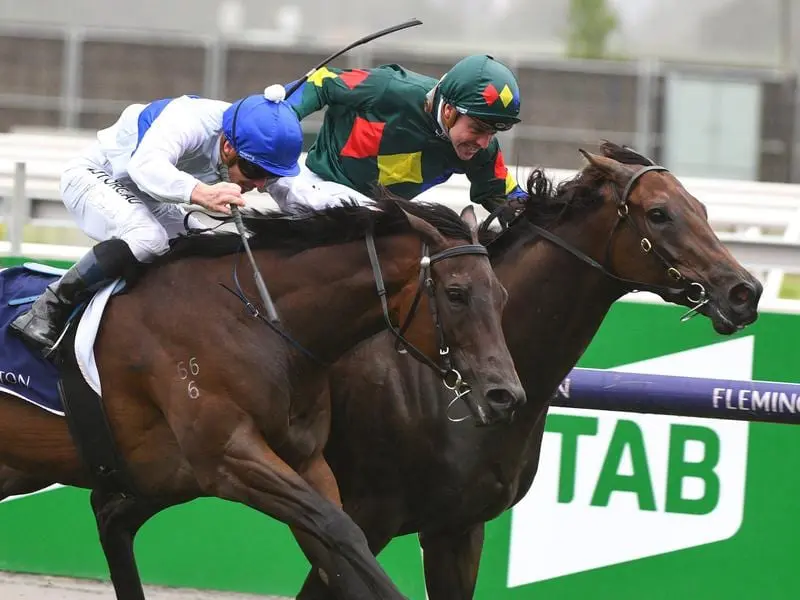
<point x="692" y="291"/>
<point x="450" y="376"/>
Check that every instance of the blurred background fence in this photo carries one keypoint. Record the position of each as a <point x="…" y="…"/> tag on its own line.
<point x="709" y="88"/>
<point x="78" y="64"/>
<point x="709" y="120"/>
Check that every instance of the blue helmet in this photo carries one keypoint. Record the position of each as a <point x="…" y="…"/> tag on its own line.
<point x="265" y="133"/>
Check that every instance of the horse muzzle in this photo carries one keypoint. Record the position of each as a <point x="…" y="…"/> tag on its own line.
<point x="498" y="405"/>
<point x="734" y="307"/>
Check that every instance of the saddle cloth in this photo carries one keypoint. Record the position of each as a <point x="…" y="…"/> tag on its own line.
<point x="24" y="373"/>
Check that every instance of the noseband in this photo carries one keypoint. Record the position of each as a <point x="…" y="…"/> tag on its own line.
<point x="693" y="291"/>
<point x="449" y="375"/>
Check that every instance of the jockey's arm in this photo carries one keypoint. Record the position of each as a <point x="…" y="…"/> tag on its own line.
<point x="491" y="183"/>
<point x="329" y="87"/>
<point x="178" y="130"/>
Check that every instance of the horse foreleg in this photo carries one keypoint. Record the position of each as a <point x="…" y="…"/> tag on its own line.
<point x="119" y="518"/>
<point x="320" y="477"/>
<point x="375" y="520"/>
<point x="451" y="562"/>
<point x="250" y="472"/>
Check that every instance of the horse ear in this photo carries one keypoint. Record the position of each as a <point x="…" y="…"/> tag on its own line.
<point x="615" y="170"/>
<point x="428" y="232"/>
<point x="468" y="216"/>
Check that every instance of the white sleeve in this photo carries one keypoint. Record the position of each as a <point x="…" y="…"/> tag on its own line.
<point x="176" y="131"/>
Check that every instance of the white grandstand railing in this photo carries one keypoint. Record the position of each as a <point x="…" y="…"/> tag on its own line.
<point x="759" y="221"/>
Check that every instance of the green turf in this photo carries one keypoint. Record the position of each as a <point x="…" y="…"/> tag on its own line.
<point x="790" y="287"/>
<point x="50" y="234"/>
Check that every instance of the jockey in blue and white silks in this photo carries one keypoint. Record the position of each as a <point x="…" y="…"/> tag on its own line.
<point x="129" y="190"/>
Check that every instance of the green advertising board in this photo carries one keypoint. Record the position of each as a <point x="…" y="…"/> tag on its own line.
<point x="625" y="506"/>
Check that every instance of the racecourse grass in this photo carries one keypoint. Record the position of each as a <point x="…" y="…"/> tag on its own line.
<point x="50" y="234"/>
<point x="790" y="287"/>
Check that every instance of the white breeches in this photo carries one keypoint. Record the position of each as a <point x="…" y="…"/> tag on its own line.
<point x="310" y="189"/>
<point x="105" y="209"/>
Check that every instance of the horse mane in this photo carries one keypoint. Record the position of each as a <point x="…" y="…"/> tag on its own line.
<point x="305" y="228"/>
<point x="548" y="204"/>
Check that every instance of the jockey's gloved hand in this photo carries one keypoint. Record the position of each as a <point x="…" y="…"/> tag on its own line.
<point x="504" y="211"/>
<point x="218" y="197"/>
<point x="506" y="214"/>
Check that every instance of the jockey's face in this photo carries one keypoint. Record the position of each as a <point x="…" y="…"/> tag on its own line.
<point x="245" y="174"/>
<point x="467" y="135"/>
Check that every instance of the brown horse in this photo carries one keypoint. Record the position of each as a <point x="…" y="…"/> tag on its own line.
<point x="462" y="476"/>
<point x="630" y="225"/>
<point x="205" y="400"/>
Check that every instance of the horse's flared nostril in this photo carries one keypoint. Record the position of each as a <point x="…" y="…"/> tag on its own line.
<point x="744" y="295"/>
<point x="505" y="399"/>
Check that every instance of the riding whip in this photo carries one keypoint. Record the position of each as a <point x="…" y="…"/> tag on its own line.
<point x="266" y="300"/>
<point x="359" y="42"/>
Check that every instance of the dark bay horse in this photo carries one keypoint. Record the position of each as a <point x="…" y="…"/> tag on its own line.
<point x="205" y="400"/>
<point x="409" y="468"/>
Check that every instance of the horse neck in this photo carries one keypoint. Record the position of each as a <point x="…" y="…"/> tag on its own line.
<point x="328" y="299"/>
<point x="556" y="304"/>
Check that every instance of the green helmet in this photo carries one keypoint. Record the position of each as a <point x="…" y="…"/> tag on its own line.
<point x="482" y="87"/>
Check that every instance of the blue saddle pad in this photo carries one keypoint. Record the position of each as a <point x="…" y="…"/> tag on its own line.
<point x="23" y="372"/>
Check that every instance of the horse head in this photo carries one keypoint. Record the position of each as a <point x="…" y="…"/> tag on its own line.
<point x="460" y="292"/>
<point x="662" y="240"/>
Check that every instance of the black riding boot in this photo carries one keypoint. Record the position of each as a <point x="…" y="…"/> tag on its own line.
<point x="44" y="322"/>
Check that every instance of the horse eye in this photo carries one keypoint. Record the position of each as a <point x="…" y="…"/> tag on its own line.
<point x="456" y="295"/>
<point x="658" y="216"/>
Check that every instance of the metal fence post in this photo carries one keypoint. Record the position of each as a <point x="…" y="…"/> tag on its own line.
<point x="72" y="72"/>
<point x="214" y="68"/>
<point x="20" y="210"/>
<point x="644" y="106"/>
<point x="794" y="146"/>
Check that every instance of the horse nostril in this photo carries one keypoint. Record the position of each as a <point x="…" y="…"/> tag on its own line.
<point x="742" y="294"/>
<point x="505" y="399"/>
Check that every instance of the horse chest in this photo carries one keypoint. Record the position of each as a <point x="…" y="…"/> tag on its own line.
<point x="471" y="492"/>
<point x="493" y="491"/>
